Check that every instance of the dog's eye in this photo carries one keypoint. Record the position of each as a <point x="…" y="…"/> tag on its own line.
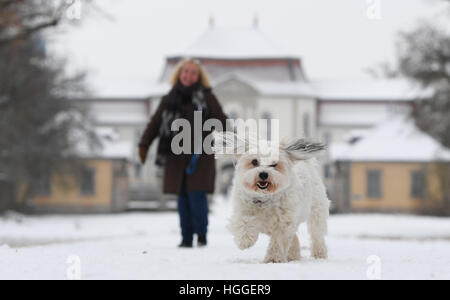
<point x="274" y="165"/>
<point x="255" y="162"/>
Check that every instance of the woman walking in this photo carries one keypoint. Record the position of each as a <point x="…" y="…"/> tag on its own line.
<point x="190" y="176"/>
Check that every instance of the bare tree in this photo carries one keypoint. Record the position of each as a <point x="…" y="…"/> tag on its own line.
<point x="21" y="19"/>
<point x="383" y="70"/>
<point x="424" y="56"/>
<point x="40" y="126"/>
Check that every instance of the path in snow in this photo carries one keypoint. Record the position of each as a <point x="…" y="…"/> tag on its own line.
<point x="143" y="246"/>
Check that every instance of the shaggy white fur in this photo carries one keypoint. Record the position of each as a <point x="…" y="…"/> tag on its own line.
<point x="274" y="194"/>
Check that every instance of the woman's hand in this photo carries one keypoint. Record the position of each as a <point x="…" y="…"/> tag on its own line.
<point x="143" y="154"/>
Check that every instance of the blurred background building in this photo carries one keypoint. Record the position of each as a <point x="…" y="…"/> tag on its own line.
<point x="394" y="167"/>
<point x="254" y="77"/>
<point x="101" y="186"/>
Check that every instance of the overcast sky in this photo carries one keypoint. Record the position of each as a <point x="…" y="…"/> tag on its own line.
<point x="335" y="39"/>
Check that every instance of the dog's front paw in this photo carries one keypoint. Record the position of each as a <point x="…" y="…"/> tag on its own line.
<point x="244" y="230"/>
<point x="274" y="260"/>
<point x="319" y="251"/>
<point x="246" y="240"/>
<point x="294" y="256"/>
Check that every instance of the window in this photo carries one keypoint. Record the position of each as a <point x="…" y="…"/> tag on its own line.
<point x="327" y="170"/>
<point x="418" y="185"/>
<point x="306" y="127"/>
<point x="44" y="185"/>
<point x="87" y="182"/>
<point x="138" y="134"/>
<point x="374" y="186"/>
<point x="268" y="133"/>
<point x="233" y="115"/>
<point x="138" y="170"/>
<point x="326" y="138"/>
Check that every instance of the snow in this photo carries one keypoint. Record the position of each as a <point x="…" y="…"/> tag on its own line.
<point x="370" y="90"/>
<point x="395" y="139"/>
<point x="269" y="88"/>
<point x="117" y="150"/>
<point x="284" y="89"/>
<point x="111" y="146"/>
<point x="143" y="246"/>
<point x="118" y="111"/>
<point x="374" y="97"/>
<point x="118" y="118"/>
<point x="234" y="43"/>
<point x="128" y="88"/>
<point x="360" y="114"/>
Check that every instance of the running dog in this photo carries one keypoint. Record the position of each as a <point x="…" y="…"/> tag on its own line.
<point x="273" y="192"/>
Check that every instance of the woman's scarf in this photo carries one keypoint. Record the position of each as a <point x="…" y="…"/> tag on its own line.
<point x="178" y="96"/>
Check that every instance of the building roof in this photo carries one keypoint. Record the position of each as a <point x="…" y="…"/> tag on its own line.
<point x="250" y="54"/>
<point x="397" y="139"/>
<point x="235" y="43"/>
<point x="275" y="81"/>
<point x="127" y="89"/>
<point x="270" y="88"/>
<point x="369" y="90"/>
<point x="361" y="114"/>
<point x="245" y="51"/>
<point x="111" y="146"/>
<point x="277" y="70"/>
<point x="364" y="103"/>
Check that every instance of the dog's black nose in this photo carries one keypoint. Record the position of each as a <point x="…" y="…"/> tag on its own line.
<point x="263" y="175"/>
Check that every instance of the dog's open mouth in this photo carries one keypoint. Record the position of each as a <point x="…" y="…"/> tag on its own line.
<point x="262" y="185"/>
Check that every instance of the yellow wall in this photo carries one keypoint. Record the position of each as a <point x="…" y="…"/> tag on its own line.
<point x="70" y="195"/>
<point x="396" y="187"/>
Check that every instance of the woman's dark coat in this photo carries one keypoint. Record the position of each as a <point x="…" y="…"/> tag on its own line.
<point x="203" y="178"/>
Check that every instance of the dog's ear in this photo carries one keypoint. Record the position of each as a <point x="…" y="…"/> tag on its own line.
<point x="228" y="144"/>
<point x="302" y="149"/>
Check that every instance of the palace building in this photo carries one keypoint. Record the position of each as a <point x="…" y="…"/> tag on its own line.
<point x="253" y="77"/>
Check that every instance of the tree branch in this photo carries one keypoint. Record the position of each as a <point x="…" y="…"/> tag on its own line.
<point x="28" y="31"/>
<point x="4" y="4"/>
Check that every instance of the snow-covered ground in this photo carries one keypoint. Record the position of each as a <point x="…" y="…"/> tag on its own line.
<point x="143" y="246"/>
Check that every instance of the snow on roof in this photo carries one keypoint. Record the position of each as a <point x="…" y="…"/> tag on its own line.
<point x="358" y="114"/>
<point x="285" y="71"/>
<point x="365" y="89"/>
<point x="355" y="135"/>
<point x="122" y="119"/>
<point x="128" y="88"/>
<point x="123" y="111"/>
<point x="107" y="133"/>
<point x="270" y="88"/>
<point x="392" y="90"/>
<point x="235" y="43"/>
<point x="284" y="88"/>
<point x="111" y="147"/>
<point x="117" y="150"/>
<point x="394" y="140"/>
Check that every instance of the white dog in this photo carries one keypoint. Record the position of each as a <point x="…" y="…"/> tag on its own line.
<point x="273" y="193"/>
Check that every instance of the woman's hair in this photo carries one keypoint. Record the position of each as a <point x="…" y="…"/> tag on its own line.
<point x="203" y="76"/>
